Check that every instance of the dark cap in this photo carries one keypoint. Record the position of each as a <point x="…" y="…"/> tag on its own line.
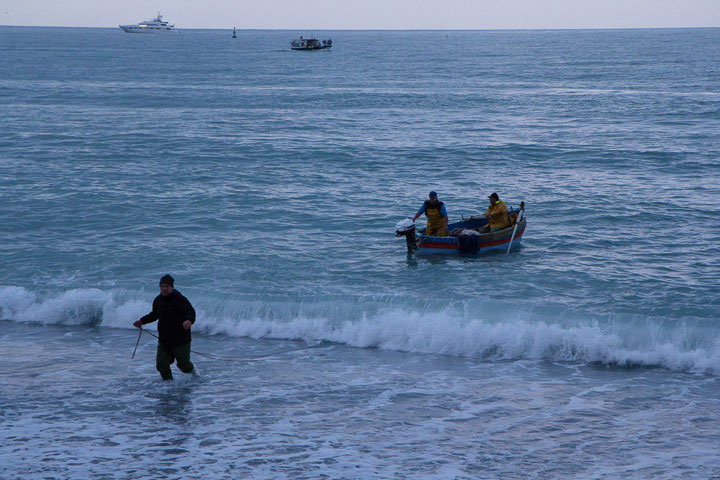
<point x="167" y="280"/>
<point x="433" y="194"/>
<point x="493" y="195"/>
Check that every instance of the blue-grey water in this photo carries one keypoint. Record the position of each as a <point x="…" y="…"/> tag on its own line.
<point x="268" y="183"/>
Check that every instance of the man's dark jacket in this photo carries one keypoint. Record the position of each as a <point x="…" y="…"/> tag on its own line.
<point x="171" y="312"/>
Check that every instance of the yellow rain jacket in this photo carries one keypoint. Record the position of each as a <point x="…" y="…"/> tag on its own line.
<point x="498" y="215"/>
<point x="435" y="220"/>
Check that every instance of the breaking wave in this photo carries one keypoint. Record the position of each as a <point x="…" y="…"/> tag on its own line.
<point x="484" y="331"/>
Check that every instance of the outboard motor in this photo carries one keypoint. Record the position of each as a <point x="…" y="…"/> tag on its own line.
<point x="406" y="228"/>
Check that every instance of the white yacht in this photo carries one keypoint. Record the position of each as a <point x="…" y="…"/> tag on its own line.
<point x="156" y="25"/>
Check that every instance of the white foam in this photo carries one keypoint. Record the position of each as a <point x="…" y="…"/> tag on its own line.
<point x="510" y="340"/>
<point x="483" y="331"/>
<point x="122" y="315"/>
<point x="74" y="307"/>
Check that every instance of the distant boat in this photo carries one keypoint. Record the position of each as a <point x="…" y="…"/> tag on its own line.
<point x="310" y="44"/>
<point x="156" y="25"/>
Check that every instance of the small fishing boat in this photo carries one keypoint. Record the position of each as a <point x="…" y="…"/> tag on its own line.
<point x="466" y="236"/>
<point x="310" y="44"/>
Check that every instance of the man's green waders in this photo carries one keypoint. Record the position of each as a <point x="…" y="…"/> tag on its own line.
<point x="166" y="356"/>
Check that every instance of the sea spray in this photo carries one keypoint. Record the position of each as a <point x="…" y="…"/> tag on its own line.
<point x="481" y="330"/>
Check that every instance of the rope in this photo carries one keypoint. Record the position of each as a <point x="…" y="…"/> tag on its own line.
<point x="137" y="343"/>
<point x="394" y="249"/>
<point x="462" y="219"/>
<point x="376" y="256"/>
<point x="228" y="358"/>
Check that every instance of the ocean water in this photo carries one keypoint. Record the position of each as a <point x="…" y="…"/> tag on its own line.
<point x="268" y="183"/>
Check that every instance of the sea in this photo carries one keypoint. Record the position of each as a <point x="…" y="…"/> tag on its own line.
<point x="268" y="183"/>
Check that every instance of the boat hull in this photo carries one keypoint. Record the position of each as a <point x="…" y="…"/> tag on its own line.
<point x="488" y="242"/>
<point x="154" y="31"/>
<point x="310" y="48"/>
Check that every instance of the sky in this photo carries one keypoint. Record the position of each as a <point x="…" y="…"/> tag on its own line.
<point x="368" y="14"/>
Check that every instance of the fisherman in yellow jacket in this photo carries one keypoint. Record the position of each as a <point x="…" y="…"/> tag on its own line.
<point x="497" y="214"/>
<point x="437" y="219"/>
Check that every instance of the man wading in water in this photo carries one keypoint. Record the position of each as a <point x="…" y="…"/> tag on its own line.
<point x="175" y="317"/>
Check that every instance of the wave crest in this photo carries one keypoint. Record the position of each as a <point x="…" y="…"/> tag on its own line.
<point x="486" y="333"/>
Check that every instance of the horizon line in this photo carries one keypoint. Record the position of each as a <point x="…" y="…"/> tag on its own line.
<point x="388" y="29"/>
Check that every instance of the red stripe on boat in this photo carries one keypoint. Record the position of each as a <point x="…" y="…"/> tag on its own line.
<point x="447" y="246"/>
<point x="450" y="246"/>
<point x="502" y="240"/>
